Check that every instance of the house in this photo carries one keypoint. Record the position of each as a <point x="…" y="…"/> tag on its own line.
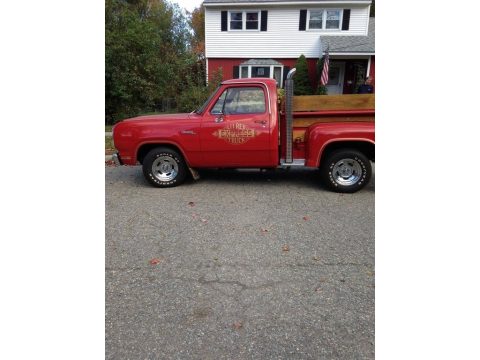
<point x="264" y="38"/>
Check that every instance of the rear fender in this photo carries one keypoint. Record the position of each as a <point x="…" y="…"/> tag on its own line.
<point x="320" y="136"/>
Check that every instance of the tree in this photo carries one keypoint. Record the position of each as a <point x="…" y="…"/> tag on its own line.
<point x="197" y="23"/>
<point x="302" y="85"/>
<point x="146" y="53"/>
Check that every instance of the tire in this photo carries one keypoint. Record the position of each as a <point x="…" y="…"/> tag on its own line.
<point x="164" y="167"/>
<point x="346" y="170"/>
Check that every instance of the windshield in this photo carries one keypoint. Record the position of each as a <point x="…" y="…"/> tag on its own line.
<point x="201" y="109"/>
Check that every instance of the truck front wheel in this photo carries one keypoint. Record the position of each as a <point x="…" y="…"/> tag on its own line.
<point x="164" y="167"/>
<point x="346" y="170"/>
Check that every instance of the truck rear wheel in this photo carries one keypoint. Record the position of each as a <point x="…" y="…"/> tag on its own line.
<point x="164" y="167"/>
<point x="346" y="170"/>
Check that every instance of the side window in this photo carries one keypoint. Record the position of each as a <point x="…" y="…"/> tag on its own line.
<point x="244" y="100"/>
<point x="218" y="107"/>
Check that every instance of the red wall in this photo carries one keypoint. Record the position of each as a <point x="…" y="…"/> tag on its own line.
<point x="228" y="64"/>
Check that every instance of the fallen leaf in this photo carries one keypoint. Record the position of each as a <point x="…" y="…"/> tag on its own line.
<point x="237" y="325"/>
<point x="191" y="203"/>
<point x="285" y="248"/>
<point x="155" y="261"/>
<point x="306" y="218"/>
<point x="110" y="163"/>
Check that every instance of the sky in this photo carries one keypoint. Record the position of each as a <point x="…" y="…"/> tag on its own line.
<point x="188" y="4"/>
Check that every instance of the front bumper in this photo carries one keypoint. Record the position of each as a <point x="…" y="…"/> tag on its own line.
<point x="116" y="159"/>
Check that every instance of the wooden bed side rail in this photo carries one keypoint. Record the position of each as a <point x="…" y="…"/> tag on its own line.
<point x="340" y="103"/>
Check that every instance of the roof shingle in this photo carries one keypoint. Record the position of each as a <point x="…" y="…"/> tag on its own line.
<point x="352" y="44"/>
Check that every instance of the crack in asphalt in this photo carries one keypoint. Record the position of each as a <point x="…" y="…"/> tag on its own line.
<point x="246" y="266"/>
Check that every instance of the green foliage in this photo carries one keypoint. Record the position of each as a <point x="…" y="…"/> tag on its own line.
<point x="196" y="94"/>
<point x="302" y="85"/>
<point x="146" y="55"/>
<point x="191" y="98"/>
<point x="321" y="90"/>
<point x="280" y="95"/>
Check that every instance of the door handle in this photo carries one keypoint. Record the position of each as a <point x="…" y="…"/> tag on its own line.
<point x="263" y="122"/>
<point x="219" y="119"/>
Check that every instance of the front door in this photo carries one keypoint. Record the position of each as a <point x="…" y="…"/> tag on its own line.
<point x="336" y="74"/>
<point x="236" y="129"/>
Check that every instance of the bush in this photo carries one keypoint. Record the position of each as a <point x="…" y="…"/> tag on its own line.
<point x="302" y="85"/>
<point x="195" y="95"/>
<point x="321" y="90"/>
<point x="191" y="98"/>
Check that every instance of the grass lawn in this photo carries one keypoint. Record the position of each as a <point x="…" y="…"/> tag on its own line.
<point x="108" y="128"/>
<point x="109" y="148"/>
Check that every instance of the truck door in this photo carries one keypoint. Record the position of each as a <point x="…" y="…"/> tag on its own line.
<point x="236" y="128"/>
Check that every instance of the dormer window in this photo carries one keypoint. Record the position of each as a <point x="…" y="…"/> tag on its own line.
<point x="324" y="19"/>
<point x="244" y="20"/>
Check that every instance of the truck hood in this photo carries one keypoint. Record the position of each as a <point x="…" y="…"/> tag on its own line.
<point x="154" y="118"/>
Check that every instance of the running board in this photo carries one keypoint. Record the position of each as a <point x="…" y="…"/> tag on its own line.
<point x="295" y="162"/>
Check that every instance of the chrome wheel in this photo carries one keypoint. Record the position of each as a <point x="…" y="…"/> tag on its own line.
<point x="347" y="172"/>
<point x="165" y="168"/>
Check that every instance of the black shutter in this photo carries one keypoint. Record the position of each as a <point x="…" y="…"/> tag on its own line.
<point x="346" y="19"/>
<point x="263" y="26"/>
<point x="286" y="69"/>
<point x="303" y="20"/>
<point x="224" y="20"/>
<point x="236" y="72"/>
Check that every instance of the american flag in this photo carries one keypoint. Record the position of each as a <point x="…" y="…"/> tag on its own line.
<point x="324" y="78"/>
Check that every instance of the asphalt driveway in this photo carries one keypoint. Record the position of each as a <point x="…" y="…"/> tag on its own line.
<point x="238" y="265"/>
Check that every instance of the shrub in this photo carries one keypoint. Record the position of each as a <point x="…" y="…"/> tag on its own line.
<point x="195" y="95"/>
<point x="302" y="85"/>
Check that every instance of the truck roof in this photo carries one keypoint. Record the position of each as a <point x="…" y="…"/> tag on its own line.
<point x="266" y="81"/>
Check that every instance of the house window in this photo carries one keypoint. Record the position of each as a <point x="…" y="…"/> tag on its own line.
<point x="332" y="19"/>
<point x="260" y="71"/>
<point x="277" y="74"/>
<point x="267" y="71"/>
<point x="244" y="20"/>
<point x="244" y="73"/>
<point x="323" y="19"/>
<point x="316" y="19"/>
<point x="236" y="22"/>
<point x="252" y="21"/>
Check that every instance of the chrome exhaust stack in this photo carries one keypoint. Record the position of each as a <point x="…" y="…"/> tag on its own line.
<point x="289" y="116"/>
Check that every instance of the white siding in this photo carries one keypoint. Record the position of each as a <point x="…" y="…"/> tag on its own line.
<point x="282" y="38"/>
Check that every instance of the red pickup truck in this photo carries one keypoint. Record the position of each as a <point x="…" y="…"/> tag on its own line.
<point x="244" y="125"/>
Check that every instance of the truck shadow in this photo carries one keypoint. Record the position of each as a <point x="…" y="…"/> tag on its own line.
<point x="309" y="178"/>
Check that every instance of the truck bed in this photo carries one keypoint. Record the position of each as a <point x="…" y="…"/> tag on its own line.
<point x="313" y="109"/>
